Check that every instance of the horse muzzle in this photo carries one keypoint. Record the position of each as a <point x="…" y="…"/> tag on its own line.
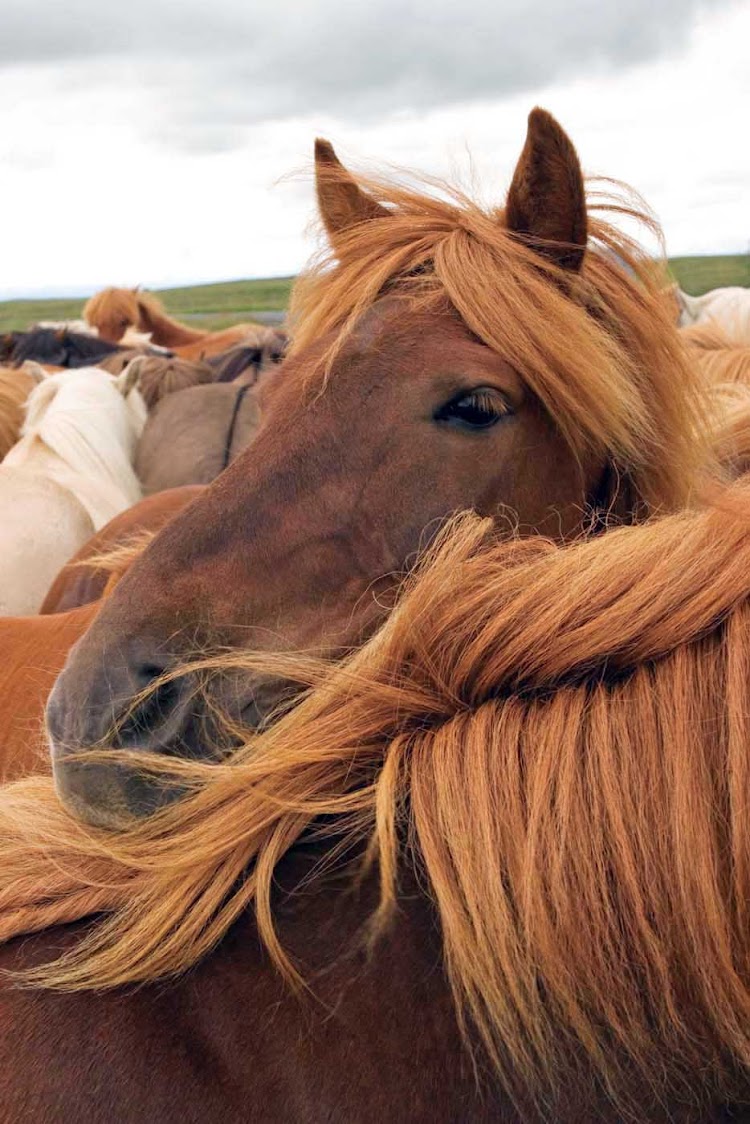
<point x="144" y="703"/>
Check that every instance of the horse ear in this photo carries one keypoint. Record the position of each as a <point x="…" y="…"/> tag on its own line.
<point x="39" y="402"/>
<point x="341" y="202"/>
<point x="36" y="370"/>
<point x="546" y="204"/>
<point x="128" y="378"/>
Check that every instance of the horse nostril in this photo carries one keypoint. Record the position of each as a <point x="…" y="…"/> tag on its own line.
<point x="144" y="674"/>
<point x="144" y="717"/>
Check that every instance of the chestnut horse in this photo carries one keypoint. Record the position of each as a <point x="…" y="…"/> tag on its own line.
<point x="34" y="652"/>
<point x="113" y="311"/>
<point x="447" y="358"/>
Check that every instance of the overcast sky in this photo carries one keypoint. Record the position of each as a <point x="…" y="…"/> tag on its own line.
<point x="152" y="142"/>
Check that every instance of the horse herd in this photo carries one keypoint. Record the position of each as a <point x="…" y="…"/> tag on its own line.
<point x="378" y="701"/>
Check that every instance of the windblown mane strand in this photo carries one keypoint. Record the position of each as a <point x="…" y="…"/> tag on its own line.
<point x="15" y="388"/>
<point x="599" y="351"/>
<point x="557" y="736"/>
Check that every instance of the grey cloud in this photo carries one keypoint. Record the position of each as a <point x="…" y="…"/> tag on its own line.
<point x="215" y="67"/>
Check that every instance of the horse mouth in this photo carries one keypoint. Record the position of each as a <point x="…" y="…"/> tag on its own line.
<point x="182" y="724"/>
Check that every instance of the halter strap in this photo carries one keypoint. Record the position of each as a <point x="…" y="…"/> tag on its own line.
<point x="233" y="423"/>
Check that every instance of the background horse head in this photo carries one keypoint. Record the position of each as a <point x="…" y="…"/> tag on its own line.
<point x="192" y="435"/>
<point x="114" y="312"/>
<point x="81" y="430"/>
<point x="518" y="362"/>
<point x="57" y="347"/>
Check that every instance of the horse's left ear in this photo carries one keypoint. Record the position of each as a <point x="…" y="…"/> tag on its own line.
<point x="128" y="378"/>
<point x="546" y="204"/>
<point x="36" y="370"/>
<point x="341" y="201"/>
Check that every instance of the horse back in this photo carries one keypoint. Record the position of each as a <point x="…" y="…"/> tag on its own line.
<point x="374" y="1039"/>
<point x="34" y="651"/>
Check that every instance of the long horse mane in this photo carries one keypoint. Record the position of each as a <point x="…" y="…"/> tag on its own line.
<point x="719" y="359"/>
<point x="160" y="376"/>
<point x="112" y="304"/>
<point x="15" y="388"/>
<point x="601" y="351"/>
<point x="557" y="736"/>
<point x="732" y="433"/>
<point x="129" y="308"/>
<point x="82" y="417"/>
<point x="708" y="336"/>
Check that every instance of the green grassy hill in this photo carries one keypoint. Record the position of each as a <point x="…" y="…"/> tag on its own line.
<point x="699" y="274"/>
<point x="209" y="306"/>
<point x="227" y="302"/>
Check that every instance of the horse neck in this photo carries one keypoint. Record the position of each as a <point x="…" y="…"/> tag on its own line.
<point x="103" y="483"/>
<point x="164" y="330"/>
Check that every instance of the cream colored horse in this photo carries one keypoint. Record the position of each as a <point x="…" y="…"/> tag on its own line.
<point x="729" y="308"/>
<point x="70" y="473"/>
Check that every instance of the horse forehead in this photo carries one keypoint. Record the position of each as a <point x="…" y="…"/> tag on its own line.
<point x="393" y="323"/>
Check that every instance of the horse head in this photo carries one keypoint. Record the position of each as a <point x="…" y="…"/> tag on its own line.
<point x="444" y="359"/>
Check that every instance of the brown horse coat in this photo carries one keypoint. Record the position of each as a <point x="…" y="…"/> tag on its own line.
<point x="34" y="650"/>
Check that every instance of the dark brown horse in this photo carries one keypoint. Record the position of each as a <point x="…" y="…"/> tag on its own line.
<point x="56" y="347"/>
<point x="449" y="359"/>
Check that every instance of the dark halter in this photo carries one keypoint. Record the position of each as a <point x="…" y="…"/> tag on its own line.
<point x="233" y="424"/>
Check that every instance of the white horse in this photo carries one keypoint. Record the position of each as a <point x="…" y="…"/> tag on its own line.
<point x="729" y="308"/>
<point x="132" y="338"/>
<point x="81" y="326"/>
<point x="70" y="473"/>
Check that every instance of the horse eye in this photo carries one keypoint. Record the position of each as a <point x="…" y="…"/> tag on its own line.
<point x="479" y="409"/>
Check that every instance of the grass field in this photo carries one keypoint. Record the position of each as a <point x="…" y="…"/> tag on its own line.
<point x="209" y="306"/>
<point x="226" y="302"/>
<point x="698" y="275"/>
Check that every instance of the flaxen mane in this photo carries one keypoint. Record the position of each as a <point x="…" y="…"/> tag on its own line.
<point x="162" y="375"/>
<point x="732" y="433"/>
<point x="599" y="350"/>
<point x="557" y="736"/>
<point x="15" y="388"/>
<point x="720" y="360"/>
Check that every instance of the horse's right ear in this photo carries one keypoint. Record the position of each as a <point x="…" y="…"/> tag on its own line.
<point x="546" y="204"/>
<point x="36" y="370"/>
<point x="128" y="378"/>
<point x="341" y="202"/>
